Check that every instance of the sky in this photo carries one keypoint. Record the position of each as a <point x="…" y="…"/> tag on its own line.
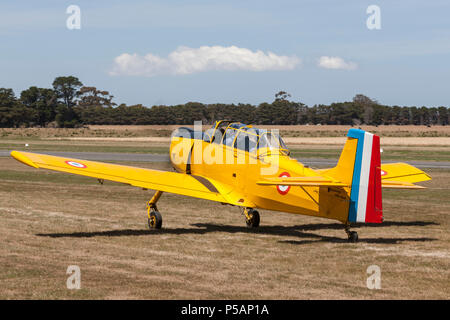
<point x="173" y="52"/>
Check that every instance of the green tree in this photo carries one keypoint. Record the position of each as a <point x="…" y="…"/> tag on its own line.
<point x="43" y="103"/>
<point x="66" y="89"/>
<point x="94" y="106"/>
<point x="367" y="104"/>
<point x="363" y="100"/>
<point x="91" y="96"/>
<point x="282" y="95"/>
<point x="12" y="112"/>
<point x="444" y="116"/>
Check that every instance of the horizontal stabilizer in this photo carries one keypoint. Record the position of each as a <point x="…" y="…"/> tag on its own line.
<point x="314" y="181"/>
<point x="402" y="172"/>
<point x="399" y="185"/>
<point x="402" y="176"/>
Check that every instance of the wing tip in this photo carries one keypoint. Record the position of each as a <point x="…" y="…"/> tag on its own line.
<point x="23" y="158"/>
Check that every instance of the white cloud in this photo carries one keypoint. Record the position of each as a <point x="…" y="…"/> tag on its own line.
<point x="186" y="60"/>
<point x="336" y="63"/>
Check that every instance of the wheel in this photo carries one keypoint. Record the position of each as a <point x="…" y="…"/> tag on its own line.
<point x="155" y="220"/>
<point x="353" y="236"/>
<point x="253" y="220"/>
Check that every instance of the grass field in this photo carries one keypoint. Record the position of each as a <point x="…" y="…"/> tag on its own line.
<point x="301" y="151"/>
<point x="398" y="142"/>
<point x="52" y="220"/>
<point x="128" y="131"/>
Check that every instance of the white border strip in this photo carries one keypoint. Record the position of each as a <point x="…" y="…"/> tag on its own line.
<point x="364" y="178"/>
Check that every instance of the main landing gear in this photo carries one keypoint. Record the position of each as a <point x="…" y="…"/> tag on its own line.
<point x="352" y="235"/>
<point x="154" y="217"/>
<point x="252" y="218"/>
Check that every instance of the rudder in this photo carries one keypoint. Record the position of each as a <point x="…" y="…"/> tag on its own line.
<point x="365" y="197"/>
<point x="359" y="167"/>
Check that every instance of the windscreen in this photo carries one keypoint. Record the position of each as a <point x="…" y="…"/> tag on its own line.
<point x="272" y="141"/>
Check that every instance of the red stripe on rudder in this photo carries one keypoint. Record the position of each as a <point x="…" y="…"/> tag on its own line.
<point x="374" y="210"/>
<point x="370" y="206"/>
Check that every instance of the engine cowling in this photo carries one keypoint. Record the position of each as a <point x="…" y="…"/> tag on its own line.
<point x="181" y="144"/>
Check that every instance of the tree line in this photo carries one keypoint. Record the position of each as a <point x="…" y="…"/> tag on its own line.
<point x="71" y="104"/>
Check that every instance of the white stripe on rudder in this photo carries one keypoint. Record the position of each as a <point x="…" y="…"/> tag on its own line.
<point x="364" y="178"/>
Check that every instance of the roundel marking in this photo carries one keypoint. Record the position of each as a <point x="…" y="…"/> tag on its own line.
<point x="283" y="189"/>
<point x="76" y="164"/>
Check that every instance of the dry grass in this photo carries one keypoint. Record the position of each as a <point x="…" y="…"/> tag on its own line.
<point x="307" y="130"/>
<point x="384" y="141"/>
<point x="51" y="220"/>
<point x="329" y="141"/>
<point x="383" y="131"/>
<point x="134" y="131"/>
<point x="159" y="135"/>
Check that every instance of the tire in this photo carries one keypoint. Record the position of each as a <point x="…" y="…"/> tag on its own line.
<point x="353" y="236"/>
<point x="254" y="220"/>
<point x="155" y="220"/>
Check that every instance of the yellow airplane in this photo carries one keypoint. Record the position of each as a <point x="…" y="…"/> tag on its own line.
<point x="236" y="164"/>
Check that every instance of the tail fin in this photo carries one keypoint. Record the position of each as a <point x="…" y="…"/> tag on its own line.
<point x="359" y="166"/>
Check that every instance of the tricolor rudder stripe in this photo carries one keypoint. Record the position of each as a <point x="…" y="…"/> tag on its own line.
<point x="365" y="195"/>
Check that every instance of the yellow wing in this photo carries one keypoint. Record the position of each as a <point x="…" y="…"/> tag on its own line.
<point x="188" y="185"/>
<point x="402" y="176"/>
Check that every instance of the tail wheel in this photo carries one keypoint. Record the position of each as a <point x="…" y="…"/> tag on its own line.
<point x="353" y="236"/>
<point x="252" y="219"/>
<point x="155" y="220"/>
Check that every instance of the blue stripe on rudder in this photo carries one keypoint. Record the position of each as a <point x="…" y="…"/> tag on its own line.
<point x="357" y="134"/>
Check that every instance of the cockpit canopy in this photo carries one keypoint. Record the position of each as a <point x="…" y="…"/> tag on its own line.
<point x="245" y="137"/>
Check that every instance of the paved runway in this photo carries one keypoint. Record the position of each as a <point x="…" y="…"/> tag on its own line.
<point x="149" y="157"/>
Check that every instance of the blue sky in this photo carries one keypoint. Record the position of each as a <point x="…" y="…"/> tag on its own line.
<point x="406" y="62"/>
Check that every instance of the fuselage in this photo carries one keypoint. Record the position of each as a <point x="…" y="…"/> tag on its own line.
<point x="240" y="168"/>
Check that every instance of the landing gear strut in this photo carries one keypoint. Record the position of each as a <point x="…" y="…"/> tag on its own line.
<point x="352" y="235"/>
<point x="252" y="218"/>
<point x="154" y="217"/>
